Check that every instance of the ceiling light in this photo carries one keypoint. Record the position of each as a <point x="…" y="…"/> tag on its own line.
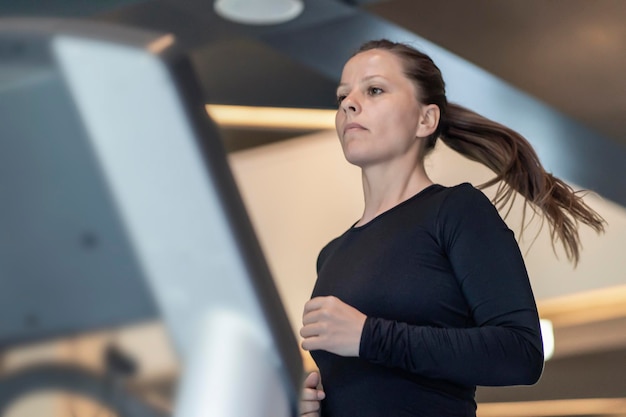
<point x="259" y="12"/>
<point x="271" y="117"/>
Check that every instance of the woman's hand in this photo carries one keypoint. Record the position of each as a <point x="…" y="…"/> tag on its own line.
<point x="332" y="325"/>
<point x="311" y="396"/>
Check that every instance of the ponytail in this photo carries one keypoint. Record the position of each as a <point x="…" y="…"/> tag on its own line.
<point x="517" y="169"/>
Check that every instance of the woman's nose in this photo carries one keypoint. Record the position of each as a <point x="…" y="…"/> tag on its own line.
<point x="350" y="104"/>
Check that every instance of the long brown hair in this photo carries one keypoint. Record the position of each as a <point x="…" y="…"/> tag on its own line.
<point x="507" y="153"/>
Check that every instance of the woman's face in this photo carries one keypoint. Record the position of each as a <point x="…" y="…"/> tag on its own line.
<point x="379" y="115"/>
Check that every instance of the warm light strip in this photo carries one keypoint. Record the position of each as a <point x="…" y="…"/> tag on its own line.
<point x="161" y="43"/>
<point x="271" y="117"/>
<point x="587" y="307"/>
<point x="577" y="407"/>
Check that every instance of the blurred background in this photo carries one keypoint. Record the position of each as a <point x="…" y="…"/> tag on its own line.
<point x="553" y="70"/>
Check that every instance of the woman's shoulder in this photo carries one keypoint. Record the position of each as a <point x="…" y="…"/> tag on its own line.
<point x="327" y="250"/>
<point x="465" y="203"/>
<point x="457" y="197"/>
<point x="463" y="194"/>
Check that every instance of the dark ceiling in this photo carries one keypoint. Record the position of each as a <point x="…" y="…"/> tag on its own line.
<point x="570" y="54"/>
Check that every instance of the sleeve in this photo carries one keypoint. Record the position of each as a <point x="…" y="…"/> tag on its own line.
<point x="504" y="345"/>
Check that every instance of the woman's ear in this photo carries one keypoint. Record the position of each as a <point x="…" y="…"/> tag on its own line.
<point x="429" y="120"/>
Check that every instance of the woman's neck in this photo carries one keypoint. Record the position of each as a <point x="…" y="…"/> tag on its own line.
<point x="384" y="189"/>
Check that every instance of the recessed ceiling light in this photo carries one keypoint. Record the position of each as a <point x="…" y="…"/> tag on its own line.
<point x="259" y="12"/>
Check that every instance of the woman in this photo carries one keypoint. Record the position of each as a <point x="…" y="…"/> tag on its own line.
<point x="427" y="295"/>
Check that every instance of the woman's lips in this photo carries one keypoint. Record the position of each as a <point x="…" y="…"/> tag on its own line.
<point x="352" y="126"/>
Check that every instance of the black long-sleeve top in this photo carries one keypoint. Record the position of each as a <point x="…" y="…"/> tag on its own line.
<point x="448" y="302"/>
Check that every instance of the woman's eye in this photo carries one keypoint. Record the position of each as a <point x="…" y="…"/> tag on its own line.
<point x="374" y="91"/>
<point x="340" y="99"/>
